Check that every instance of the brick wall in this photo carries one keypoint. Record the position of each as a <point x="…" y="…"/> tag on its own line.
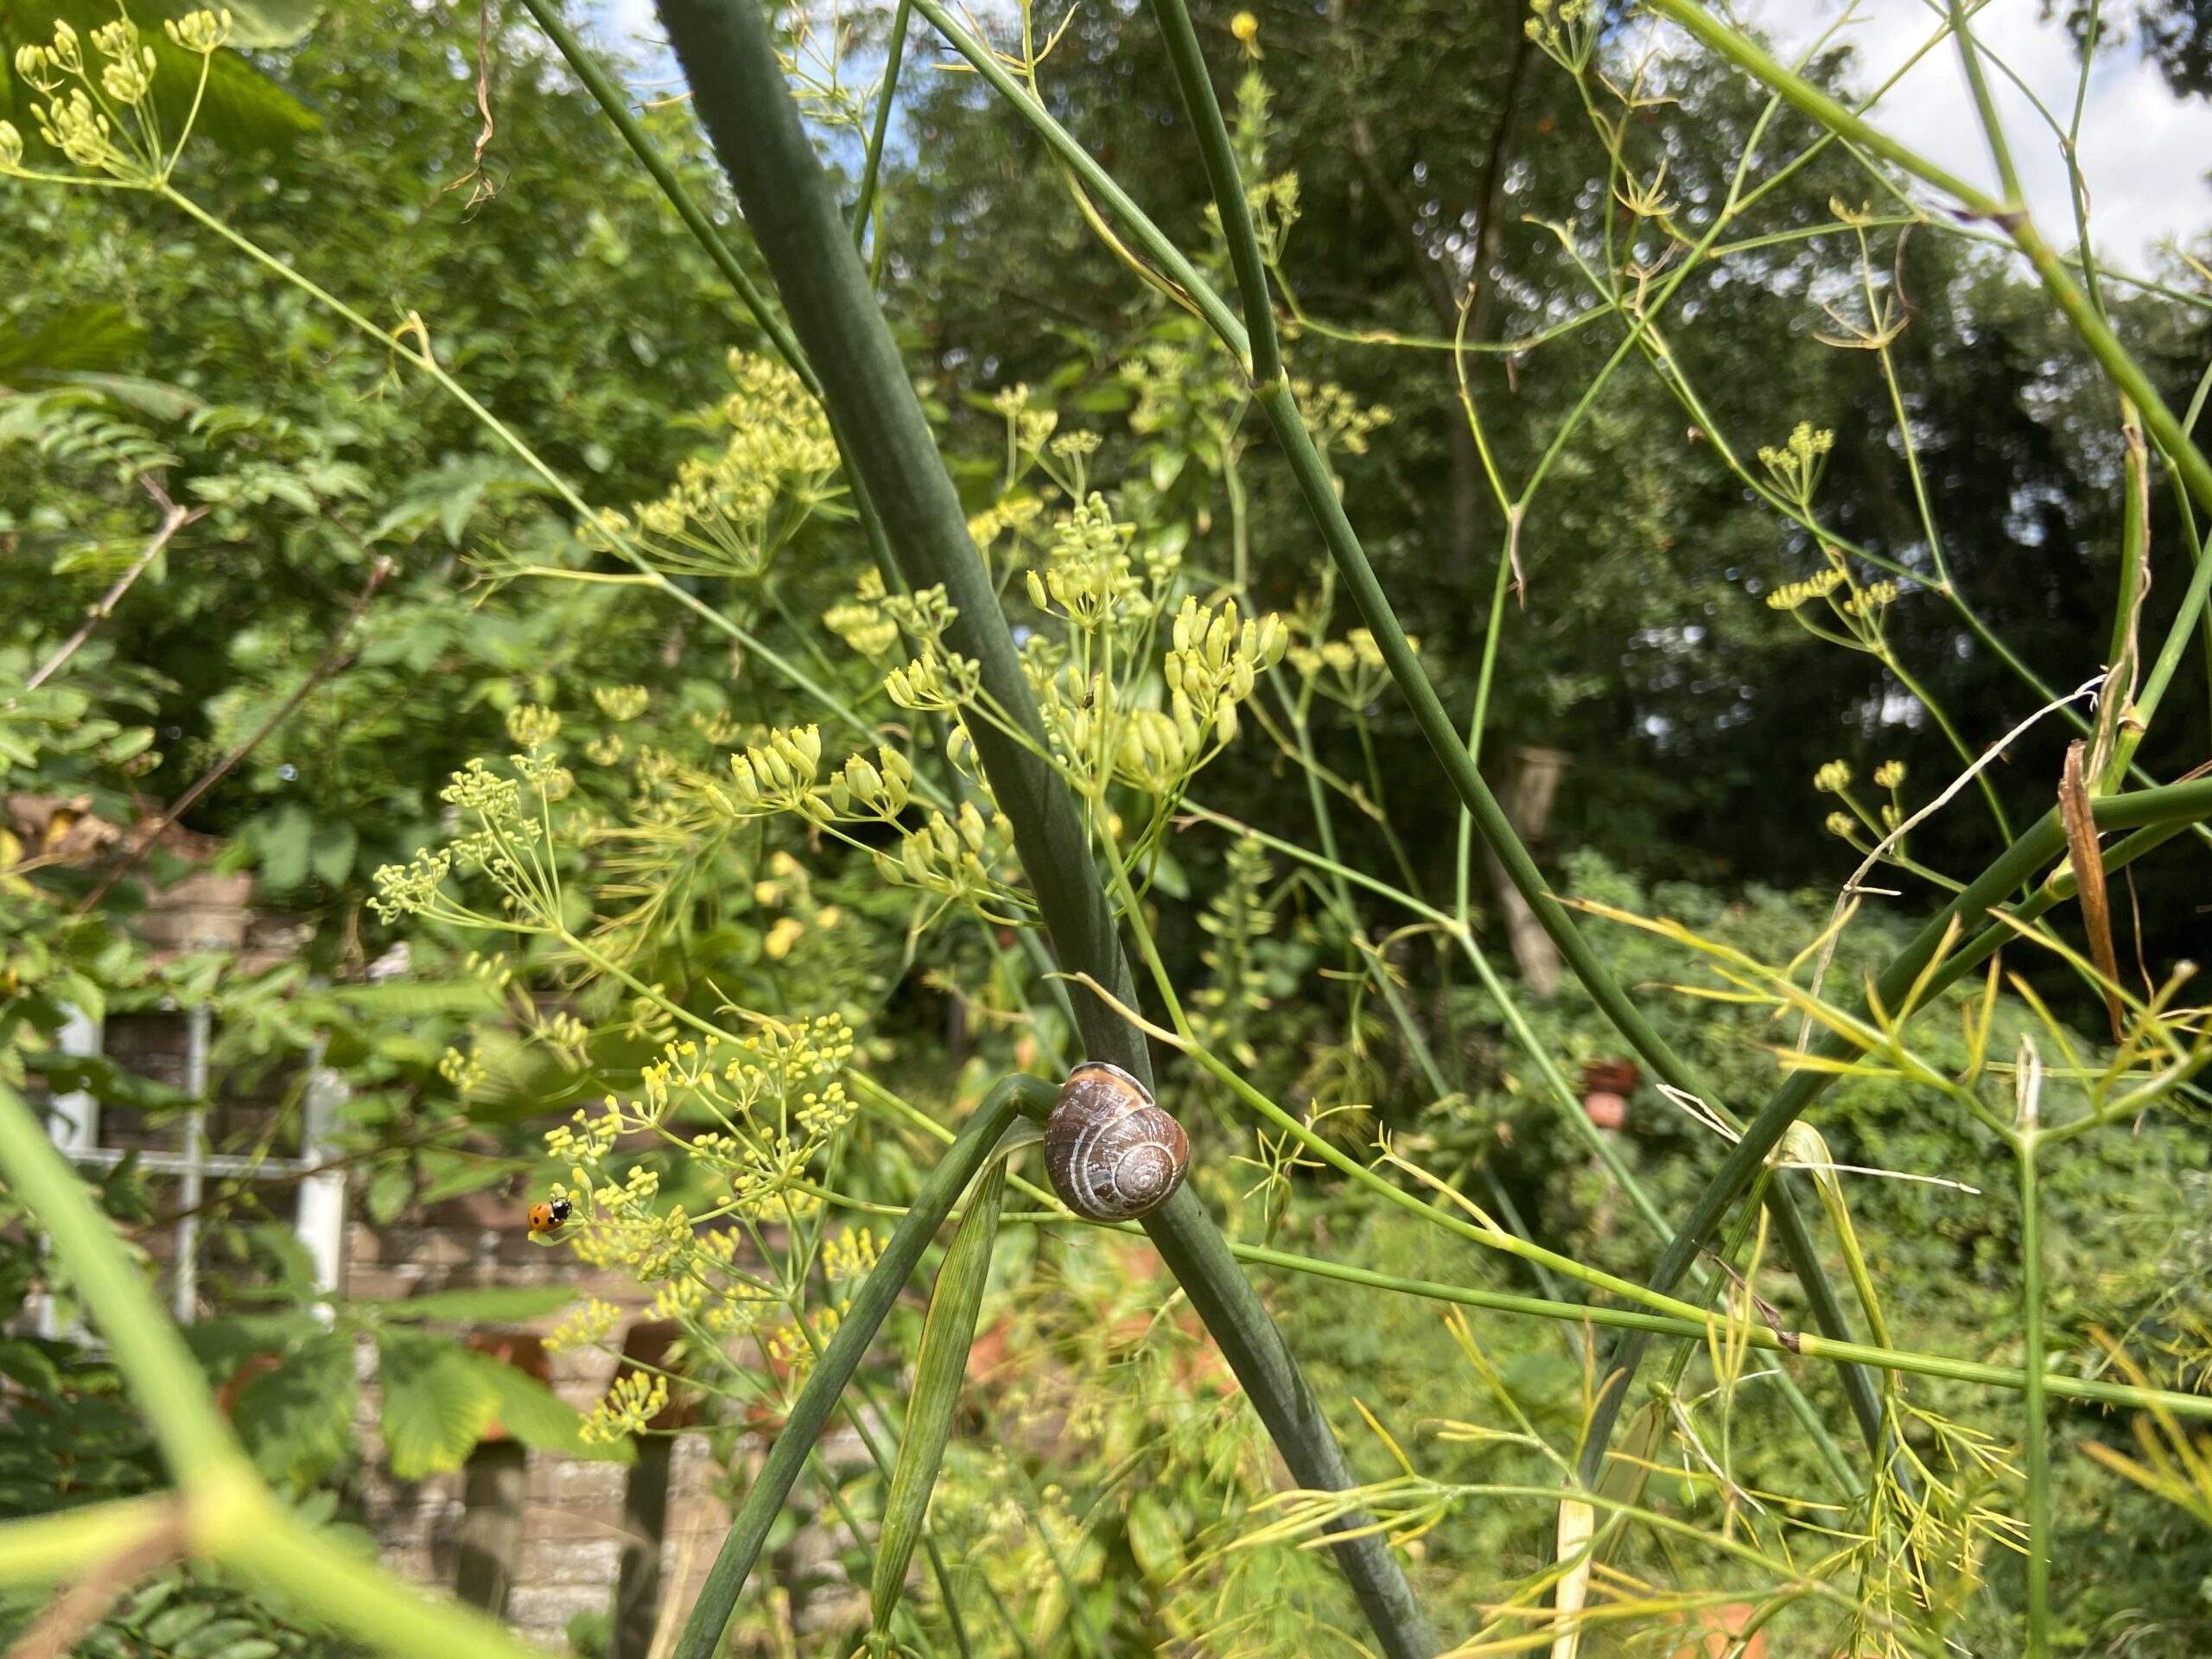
<point x="573" y="1530"/>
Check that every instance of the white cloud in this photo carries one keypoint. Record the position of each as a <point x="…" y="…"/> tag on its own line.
<point x="2143" y="152"/>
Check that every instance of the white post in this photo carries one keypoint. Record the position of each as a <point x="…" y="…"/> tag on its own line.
<point x="75" y="1126"/>
<point x="77" y="1114"/>
<point x="195" y="1151"/>
<point x="319" y="1221"/>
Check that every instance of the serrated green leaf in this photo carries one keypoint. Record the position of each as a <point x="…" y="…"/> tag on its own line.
<point x="436" y="1403"/>
<point x="388" y="1193"/>
<point x="297" y="1420"/>
<point x="330" y="852"/>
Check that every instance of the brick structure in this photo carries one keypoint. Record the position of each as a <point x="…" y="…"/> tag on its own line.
<point x="575" y="1517"/>
<point x="536" y="1537"/>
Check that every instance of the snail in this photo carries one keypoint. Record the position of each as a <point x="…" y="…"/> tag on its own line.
<point x="1112" y="1153"/>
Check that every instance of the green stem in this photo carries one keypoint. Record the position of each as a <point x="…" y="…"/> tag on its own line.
<point x="1219" y="156"/>
<point x="1100" y="183"/>
<point x="1521" y="869"/>
<point x="43" y="1549"/>
<point x="825" y="1384"/>
<point x="2037" y="1430"/>
<point x="1911" y="980"/>
<point x="164" y="1379"/>
<point x="617" y="108"/>
<point x="224" y="1512"/>
<point x="894" y="51"/>
<point x="2096" y="334"/>
<point x="742" y="99"/>
<point x="609" y="96"/>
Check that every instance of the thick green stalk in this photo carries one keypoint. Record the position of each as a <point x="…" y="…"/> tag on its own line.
<point x="833" y="1369"/>
<point x="739" y="89"/>
<point x="2043" y="841"/>
<point x="1220" y="155"/>
<point x="164" y="1379"/>
<point x="1272" y="390"/>
<point x="617" y="108"/>
<point x="221" y="1510"/>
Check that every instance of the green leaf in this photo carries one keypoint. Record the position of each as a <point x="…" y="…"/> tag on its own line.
<point x="1155" y="1539"/>
<point x="492" y="1304"/>
<point x="268" y="25"/>
<point x="285" y="838"/>
<point x="219" y="1637"/>
<point x="77" y="337"/>
<point x="297" y="1420"/>
<point x="390" y="1190"/>
<point x="947" y="1334"/>
<point x="536" y="1416"/>
<point x="437" y="1403"/>
<point x="330" y="852"/>
<point x="174" y="1624"/>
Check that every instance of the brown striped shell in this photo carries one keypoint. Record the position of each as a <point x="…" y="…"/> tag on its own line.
<point x="1112" y="1154"/>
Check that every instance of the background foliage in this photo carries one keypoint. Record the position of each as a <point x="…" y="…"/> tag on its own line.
<point x="1106" y="1486"/>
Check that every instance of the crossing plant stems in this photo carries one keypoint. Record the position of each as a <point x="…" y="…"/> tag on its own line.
<point x="1034" y="783"/>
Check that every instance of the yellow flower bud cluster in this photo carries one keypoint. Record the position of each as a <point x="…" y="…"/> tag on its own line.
<point x="880" y="789"/>
<point x="1350" y="670"/>
<point x="533" y="724"/>
<point x="862" y="621"/>
<point x="634" y="1401"/>
<point x="727" y="514"/>
<point x="849" y="1254"/>
<point x="776" y="775"/>
<point x="586" y="1327"/>
<point x="955" y="857"/>
<point x="933" y="684"/>
<point x="1789" y="596"/>
<point x="621" y="702"/>
<point x="1088" y="570"/>
<point x="1797" y="464"/>
<point x="1870" y="600"/>
<point x="99" y="112"/>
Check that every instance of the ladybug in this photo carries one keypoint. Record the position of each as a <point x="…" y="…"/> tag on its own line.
<point x="548" y="1217"/>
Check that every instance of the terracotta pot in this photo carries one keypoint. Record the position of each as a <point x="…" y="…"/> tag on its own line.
<point x="525" y="1353"/>
<point x="1606" y="1085"/>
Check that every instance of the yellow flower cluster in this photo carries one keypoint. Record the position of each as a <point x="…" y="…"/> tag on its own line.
<point x="727" y="514"/>
<point x="99" y="115"/>
<point x="586" y="1327"/>
<point x="1789" y="596"/>
<point x="1797" y="466"/>
<point x="850" y="1255"/>
<point x="631" y="1405"/>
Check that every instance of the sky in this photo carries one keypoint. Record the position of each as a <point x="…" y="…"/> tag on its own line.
<point x="2145" y="152"/>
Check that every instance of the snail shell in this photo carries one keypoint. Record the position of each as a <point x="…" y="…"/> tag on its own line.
<point x="1113" y="1155"/>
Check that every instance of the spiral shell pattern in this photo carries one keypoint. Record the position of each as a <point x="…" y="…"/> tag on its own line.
<point x="1113" y="1155"/>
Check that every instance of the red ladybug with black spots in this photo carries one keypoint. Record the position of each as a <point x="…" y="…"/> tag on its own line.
<point x="547" y="1217"/>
